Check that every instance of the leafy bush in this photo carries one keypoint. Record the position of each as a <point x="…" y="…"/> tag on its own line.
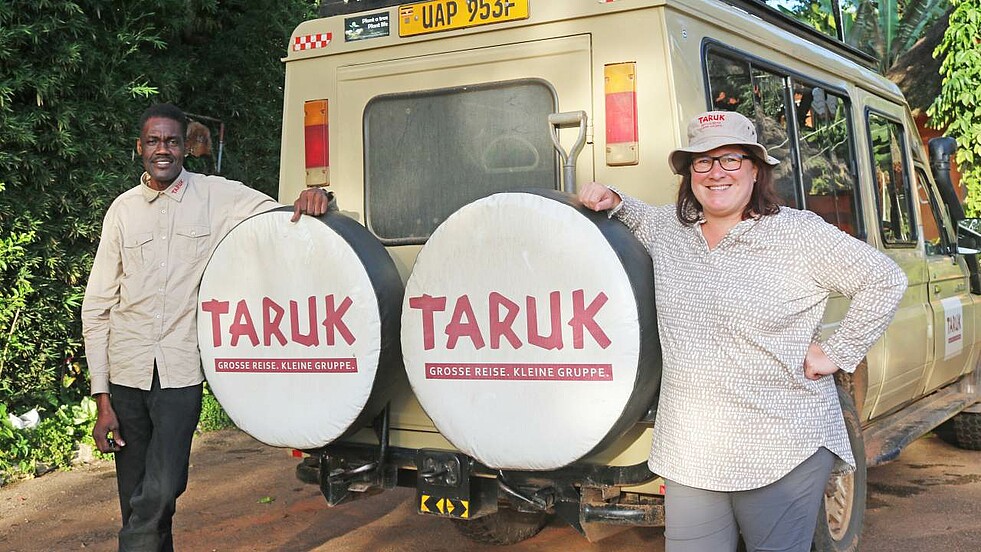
<point x="213" y="416"/>
<point x="74" y="78"/>
<point x="52" y="444"/>
<point x="957" y="110"/>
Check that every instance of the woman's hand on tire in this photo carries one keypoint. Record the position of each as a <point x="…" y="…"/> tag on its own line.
<point x="598" y="197"/>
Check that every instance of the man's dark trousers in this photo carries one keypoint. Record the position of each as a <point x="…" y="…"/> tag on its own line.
<point x="151" y="470"/>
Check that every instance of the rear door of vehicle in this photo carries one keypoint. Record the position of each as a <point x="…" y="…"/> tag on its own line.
<point x="443" y="129"/>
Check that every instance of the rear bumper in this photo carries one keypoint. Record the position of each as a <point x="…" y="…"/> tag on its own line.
<point x="582" y="493"/>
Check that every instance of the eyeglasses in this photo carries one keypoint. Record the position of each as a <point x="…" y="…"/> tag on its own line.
<point x="729" y="162"/>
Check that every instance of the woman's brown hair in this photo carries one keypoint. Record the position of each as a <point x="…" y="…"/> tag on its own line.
<point x="763" y="201"/>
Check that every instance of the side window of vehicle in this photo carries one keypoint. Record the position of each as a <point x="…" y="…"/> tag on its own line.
<point x="760" y="95"/>
<point x="826" y="155"/>
<point x="803" y="124"/>
<point x="934" y="218"/>
<point x="894" y="199"/>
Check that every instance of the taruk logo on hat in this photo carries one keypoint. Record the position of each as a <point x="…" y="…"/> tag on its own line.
<point x="721" y="123"/>
<point x="711" y="119"/>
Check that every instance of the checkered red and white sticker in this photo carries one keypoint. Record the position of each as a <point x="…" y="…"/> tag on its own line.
<point x="311" y="42"/>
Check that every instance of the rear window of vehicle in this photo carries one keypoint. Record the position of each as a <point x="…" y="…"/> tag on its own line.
<point x="428" y="153"/>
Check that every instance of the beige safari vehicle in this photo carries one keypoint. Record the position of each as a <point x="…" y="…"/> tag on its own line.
<point x="424" y="117"/>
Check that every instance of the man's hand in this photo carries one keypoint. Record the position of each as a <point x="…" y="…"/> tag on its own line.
<point x="817" y="364"/>
<point x="598" y="197"/>
<point x="106" y="424"/>
<point x="312" y="201"/>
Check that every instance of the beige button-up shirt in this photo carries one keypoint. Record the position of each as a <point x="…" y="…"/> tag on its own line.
<point x="140" y="303"/>
<point x="736" y="411"/>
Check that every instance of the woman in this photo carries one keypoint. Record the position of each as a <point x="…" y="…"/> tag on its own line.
<point x="748" y="425"/>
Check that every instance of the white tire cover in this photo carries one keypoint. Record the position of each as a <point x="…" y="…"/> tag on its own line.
<point x="496" y="392"/>
<point x="267" y="280"/>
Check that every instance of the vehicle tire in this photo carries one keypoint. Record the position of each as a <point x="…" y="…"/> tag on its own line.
<point x="962" y="431"/>
<point x="308" y="470"/>
<point x="843" y="509"/>
<point x="505" y="527"/>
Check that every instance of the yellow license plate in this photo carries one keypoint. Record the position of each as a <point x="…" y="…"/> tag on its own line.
<point x="445" y="15"/>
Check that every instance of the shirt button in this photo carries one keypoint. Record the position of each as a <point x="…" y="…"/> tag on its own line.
<point x="193" y="233"/>
<point x="161" y="264"/>
<point x="164" y="211"/>
<point x="158" y="316"/>
<point x="163" y="237"/>
<point x="161" y="290"/>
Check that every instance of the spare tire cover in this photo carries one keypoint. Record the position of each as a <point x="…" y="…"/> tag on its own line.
<point x="298" y="325"/>
<point x="528" y="330"/>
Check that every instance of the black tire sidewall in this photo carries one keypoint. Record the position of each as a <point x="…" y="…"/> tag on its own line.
<point x="967" y="429"/>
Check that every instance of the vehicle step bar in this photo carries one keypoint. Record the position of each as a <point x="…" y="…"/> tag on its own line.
<point x="885" y="438"/>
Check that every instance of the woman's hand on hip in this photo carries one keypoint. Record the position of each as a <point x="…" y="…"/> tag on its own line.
<point x="817" y="364"/>
<point x="598" y="197"/>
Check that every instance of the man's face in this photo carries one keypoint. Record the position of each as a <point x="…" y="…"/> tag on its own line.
<point x="161" y="145"/>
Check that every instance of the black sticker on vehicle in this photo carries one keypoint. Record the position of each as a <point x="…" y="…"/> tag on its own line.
<point x="366" y="26"/>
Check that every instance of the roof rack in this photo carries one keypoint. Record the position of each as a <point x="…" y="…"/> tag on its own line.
<point x="837" y="44"/>
<point x="758" y="8"/>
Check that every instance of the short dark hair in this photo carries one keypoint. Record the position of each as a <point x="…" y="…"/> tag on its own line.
<point x="166" y="111"/>
<point x="763" y="201"/>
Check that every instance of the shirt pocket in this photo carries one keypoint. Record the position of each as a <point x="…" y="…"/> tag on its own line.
<point x="192" y="241"/>
<point x="137" y="252"/>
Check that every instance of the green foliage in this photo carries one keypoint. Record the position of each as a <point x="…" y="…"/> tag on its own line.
<point x="885" y="29"/>
<point x="814" y="13"/>
<point x="213" y="416"/>
<point x="74" y="78"/>
<point x="13" y="297"/>
<point x="957" y="110"/>
<point x="52" y="443"/>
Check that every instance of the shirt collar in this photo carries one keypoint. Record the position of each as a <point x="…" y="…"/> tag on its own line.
<point x="736" y="234"/>
<point x="175" y="190"/>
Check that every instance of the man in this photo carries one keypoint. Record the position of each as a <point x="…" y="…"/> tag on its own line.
<point x="139" y="320"/>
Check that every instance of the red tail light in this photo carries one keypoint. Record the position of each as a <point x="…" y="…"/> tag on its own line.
<point x="316" y="143"/>
<point x="621" y="114"/>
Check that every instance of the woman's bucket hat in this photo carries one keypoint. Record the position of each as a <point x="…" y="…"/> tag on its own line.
<point x="715" y="129"/>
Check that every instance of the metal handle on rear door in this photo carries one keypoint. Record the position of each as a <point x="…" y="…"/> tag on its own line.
<point x="566" y="119"/>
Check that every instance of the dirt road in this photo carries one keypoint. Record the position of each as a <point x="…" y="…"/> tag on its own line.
<point x="243" y="497"/>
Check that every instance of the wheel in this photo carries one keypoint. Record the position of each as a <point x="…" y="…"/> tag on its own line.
<point x="843" y="509"/>
<point x="308" y="470"/>
<point x="505" y="527"/>
<point x="962" y="431"/>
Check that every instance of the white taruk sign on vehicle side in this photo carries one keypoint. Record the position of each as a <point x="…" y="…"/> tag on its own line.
<point x="521" y="333"/>
<point x="953" y="327"/>
<point x="290" y="329"/>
